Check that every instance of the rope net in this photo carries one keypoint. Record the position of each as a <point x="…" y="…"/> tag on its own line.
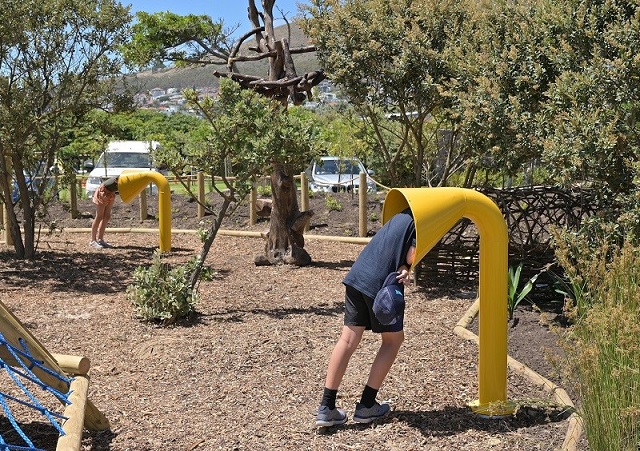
<point x="24" y="397"/>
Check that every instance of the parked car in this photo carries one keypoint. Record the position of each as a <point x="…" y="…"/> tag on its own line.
<point x="33" y="178"/>
<point x="334" y="174"/>
<point x="118" y="156"/>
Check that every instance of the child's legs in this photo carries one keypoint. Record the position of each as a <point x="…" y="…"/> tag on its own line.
<point x="391" y="342"/>
<point x="97" y="221"/>
<point x="106" y="216"/>
<point x="342" y="352"/>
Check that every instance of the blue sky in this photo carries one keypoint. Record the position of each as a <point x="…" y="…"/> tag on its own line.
<point x="231" y="11"/>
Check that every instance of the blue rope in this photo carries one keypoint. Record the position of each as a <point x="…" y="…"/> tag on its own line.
<point x="27" y="374"/>
<point x="13" y="422"/>
<point x="31" y="376"/>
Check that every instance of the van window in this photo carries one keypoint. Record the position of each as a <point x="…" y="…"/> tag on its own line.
<point x="337" y="167"/>
<point x="124" y="160"/>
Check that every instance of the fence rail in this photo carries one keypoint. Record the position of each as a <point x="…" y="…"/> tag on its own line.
<point x="201" y="180"/>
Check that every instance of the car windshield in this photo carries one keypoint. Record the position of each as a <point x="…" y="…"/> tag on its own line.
<point x="125" y="160"/>
<point x="326" y="167"/>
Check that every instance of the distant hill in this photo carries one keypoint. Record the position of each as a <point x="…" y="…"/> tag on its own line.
<point x="202" y="75"/>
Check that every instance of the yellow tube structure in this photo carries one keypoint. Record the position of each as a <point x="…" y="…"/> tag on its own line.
<point x="132" y="183"/>
<point x="436" y="211"/>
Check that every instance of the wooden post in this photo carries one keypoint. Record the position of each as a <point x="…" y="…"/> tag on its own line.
<point x="362" y="202"/>
<point x="73" y="198"/>
<point x="304" y="196"/>
<point x="73" y="364"/>
<point x="253" y="216"/>
<point x="74" y="412"/>
<point x="144" y="211"/>
<point x="201" y="199"/>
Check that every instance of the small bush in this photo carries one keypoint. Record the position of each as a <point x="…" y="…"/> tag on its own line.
<point x="264" y="190"/>
<point x="333" y="204"/>
<point x="162" y="293"/>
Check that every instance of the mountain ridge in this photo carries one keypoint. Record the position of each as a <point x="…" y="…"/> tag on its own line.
<point x="201" y="75"/>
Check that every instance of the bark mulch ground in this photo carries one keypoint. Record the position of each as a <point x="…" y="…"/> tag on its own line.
<point x="247" y="370"/>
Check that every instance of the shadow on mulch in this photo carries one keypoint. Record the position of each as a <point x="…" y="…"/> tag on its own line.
<point x="242" y="315"/>
<point x="543" y="298"/>
<point x="93" y="272"/>
<point x="453" y="420"/>
<point x="44" y="436"/>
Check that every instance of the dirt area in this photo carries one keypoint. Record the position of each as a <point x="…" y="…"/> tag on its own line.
<point x="246" y="372"/>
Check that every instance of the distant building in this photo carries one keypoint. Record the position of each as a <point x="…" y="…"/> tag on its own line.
<point x="157" y="92"/>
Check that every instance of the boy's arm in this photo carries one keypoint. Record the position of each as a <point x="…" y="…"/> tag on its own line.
<point x="404" y="269"/>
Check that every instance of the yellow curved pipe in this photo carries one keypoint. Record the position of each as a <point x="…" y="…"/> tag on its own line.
<point x="132" y="183"/>
<point x="436" y="211"/>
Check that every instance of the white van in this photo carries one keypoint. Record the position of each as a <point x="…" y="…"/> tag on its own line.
<point x="118" y="156"/>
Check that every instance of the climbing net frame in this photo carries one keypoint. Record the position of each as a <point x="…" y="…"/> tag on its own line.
<point x="39" y="388"/>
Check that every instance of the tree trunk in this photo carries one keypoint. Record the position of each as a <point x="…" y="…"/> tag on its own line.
<point x="285" y="240"/>
<point x="208" y="241"/>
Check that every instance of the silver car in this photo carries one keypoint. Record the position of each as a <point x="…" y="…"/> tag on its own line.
<point x="335" y="174"/>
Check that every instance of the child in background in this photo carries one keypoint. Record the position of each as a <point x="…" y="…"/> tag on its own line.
<point x="104" y="198"/>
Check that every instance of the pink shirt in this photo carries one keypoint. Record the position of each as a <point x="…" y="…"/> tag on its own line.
<point x="103" y="196"/>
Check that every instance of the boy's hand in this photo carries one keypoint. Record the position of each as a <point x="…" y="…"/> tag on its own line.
<point x="404" y="276"/>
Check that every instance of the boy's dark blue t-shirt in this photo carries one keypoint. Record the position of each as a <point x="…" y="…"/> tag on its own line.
<point x="386" y="251"/>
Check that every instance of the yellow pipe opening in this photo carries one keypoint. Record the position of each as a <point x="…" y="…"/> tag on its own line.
<point x="132" y="183"/>
<point x="436" y="211"/>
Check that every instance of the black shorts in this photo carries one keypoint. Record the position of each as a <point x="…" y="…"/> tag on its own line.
<point x="358" y="311"/>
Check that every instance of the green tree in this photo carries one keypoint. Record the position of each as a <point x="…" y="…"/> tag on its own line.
<point x="58" y="61"/>
<point x="592" y="132"/>
<point x="506" y="70"/>
<point x="249" y="135"/>
<point x="194" y="39"/>
<point x="393" y="60"/>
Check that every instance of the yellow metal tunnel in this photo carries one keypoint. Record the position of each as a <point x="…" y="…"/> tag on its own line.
<point x="130" y="184"/>
<point x="435" y="212"/>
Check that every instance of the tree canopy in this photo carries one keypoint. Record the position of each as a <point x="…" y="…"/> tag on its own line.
<point x="58" y="61"/>
<point x="393" y="59"/>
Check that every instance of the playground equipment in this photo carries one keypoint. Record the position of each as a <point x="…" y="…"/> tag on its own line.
<point x="132" y="182"/>
<point x="436" y="211"/>
<point x="32" y="369"/>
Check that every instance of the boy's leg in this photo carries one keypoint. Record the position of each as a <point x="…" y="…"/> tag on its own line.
<point x="104" y="220"/>
<point x="367" y="410"/>
<point x="95" y="225"/>
<point x="341" y="354"/>
<point x="391" y="342"/>
<point x="328" y="414"/>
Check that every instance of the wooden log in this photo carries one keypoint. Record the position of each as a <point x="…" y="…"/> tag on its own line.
<point x="201" y="198"/>
<point x="263" y="207"/>
<point x="94" y="420"/>
<point x="75" y="413"/>
<point x="72" y="364"/>
<point x="253" y="218"/>
<point x="144" y="210"/>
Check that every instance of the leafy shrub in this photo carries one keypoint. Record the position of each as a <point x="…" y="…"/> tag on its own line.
<point x="264" y="190"/>
<point x="333" y="204"/>
<point x="162" y="293"/>
<point x="515" y="296"/>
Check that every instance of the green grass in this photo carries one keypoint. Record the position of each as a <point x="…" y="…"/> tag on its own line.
<point x="603" y="343"/>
